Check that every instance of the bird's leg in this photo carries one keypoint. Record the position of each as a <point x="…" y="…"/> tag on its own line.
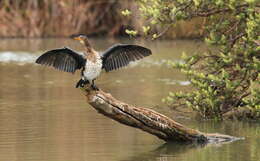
<point x="78" y="84"/>
<point x="94" y="87"/>
<point x="81" y="83"/>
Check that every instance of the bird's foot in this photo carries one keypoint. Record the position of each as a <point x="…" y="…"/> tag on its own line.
<point x="94" y="87"/>
<point x="81" y="83"/>
<point x="78" y="84"/>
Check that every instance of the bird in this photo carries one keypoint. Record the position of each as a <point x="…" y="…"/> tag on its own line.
<point x="91" y="62"/>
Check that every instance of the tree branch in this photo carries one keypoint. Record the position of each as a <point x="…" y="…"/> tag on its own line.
<point x="149" y="120"/>
<point x="214" y="11"/>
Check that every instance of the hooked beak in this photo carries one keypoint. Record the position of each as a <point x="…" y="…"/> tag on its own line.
<point x="77" y="38"/>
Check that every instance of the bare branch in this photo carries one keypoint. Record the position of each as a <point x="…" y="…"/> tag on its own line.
<point x="149" y="121"/>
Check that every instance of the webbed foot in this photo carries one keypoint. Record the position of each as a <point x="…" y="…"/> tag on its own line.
<point x="81" y="83"/>
<point x="94" y="87"/>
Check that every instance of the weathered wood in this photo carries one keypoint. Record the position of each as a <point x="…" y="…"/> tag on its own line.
<point x="149" y="120"/>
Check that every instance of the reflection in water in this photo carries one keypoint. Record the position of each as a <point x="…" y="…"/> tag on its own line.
<point x="187" y="152"/>
<point x="167" y="151"/>
<point x="44" y="118"/>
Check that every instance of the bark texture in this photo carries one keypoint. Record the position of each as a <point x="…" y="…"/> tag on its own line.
<point x="149" y="120"/>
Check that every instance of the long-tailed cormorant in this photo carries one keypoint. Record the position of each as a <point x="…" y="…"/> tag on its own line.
<point x="92" y="62"/>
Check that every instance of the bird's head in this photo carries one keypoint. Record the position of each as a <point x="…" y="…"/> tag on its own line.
<point x="81" y="38"/>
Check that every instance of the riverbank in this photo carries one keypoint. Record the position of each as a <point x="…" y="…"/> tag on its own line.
<point x="35" y="18"/>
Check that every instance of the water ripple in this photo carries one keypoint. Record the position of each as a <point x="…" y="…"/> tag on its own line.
<point x="174" y="82"/>
<point x="19" y="57"/>
<point x="158" y="62"/>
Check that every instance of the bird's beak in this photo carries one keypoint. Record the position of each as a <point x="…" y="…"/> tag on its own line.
<point x="77" y="38"/>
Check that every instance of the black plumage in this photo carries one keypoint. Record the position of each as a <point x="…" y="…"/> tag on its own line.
<point x="113" y="58"/>
<point x="120" y="55"/>
<point x="63" y="59"/>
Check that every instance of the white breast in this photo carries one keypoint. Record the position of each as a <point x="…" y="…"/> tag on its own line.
<point x="92" y="69"/>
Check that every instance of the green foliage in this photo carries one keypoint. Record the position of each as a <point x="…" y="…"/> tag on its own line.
<point x="126" y="12"/>
<point x="131" y="32"/>
<point x="227" y="77"/>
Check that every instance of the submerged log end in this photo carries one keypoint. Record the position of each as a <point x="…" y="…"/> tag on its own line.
<point x="221" y="138"/>
<point x="149" y="120"/>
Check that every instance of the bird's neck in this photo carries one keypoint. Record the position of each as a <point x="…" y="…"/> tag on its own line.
<point x="87" y="45"/>
<point x="90" y="53"/>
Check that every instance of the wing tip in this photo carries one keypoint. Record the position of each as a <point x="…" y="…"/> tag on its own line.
<point x="37" y="61"/>
<point x="149" y="52"/>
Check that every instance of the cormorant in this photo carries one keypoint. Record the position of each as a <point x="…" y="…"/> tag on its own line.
<point x="92" y="62"/>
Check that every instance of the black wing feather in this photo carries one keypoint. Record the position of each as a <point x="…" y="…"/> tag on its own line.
<point x="63" y="59"/>
<point x="120" y="55"/>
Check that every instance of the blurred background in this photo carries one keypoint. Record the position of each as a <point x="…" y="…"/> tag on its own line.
<point x="44" y="118"/>
<point x="62" y="18"/>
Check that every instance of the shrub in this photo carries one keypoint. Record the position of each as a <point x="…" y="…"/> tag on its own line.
<point x="226" y="77"/>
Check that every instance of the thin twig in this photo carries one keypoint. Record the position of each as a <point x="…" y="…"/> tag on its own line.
<point x="164" y="31"/>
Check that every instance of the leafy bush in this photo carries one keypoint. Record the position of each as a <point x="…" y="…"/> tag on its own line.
<point x="227" y="77"/>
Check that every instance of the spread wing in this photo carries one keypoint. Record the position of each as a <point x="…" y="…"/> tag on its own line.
<point x="63" y="59"/>
<point x="120" y="55"/>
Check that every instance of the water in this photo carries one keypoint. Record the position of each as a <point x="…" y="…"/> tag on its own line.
<point x="44" y="118"/>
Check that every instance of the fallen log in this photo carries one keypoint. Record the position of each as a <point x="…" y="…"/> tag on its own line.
<point x="149" y="120"/>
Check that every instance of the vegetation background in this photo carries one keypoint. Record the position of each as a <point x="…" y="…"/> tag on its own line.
<point x="62" y="18"/>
